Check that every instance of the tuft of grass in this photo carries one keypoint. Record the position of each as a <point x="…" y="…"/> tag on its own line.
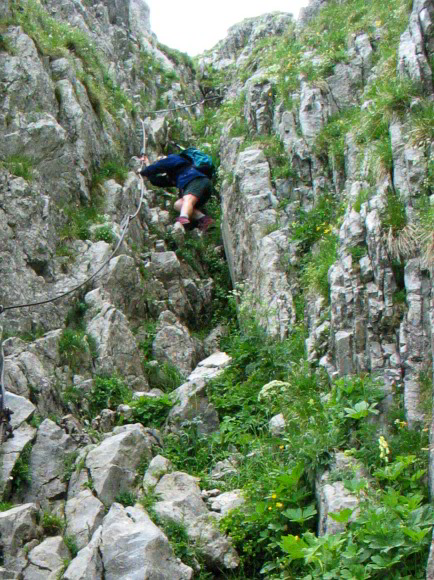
<point x="51" y="524"/>
<point x="76" y="347"/>
<point x="315" y="273"/>
<point x="71" y="544"/>
<point x="20" y="166"/>
<point x="394" y="216"/>
<point x="126" y="498"/>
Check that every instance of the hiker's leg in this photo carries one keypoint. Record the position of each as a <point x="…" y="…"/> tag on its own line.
<point x="195" y="216"/>
<point x="185" y="205"/>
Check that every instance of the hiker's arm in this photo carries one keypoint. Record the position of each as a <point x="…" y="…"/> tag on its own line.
<point x="160" y="181"/>
<point x="165" y="165"/>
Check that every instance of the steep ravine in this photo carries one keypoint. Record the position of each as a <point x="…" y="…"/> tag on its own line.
<point x="254" y="402"/>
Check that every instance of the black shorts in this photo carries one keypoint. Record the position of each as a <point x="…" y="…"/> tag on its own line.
<point x="201" y="187"/>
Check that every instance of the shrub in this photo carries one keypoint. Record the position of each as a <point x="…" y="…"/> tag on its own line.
<point x="107" y="393"/>
<point x="151" y="411"/>
<point x="104" y="234"/>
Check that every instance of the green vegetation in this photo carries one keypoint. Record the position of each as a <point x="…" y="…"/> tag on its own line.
<point x="104" y="234"/>
<point x="274" y="532"/>
<point x="315" y="271"/>
<point x="126" y="498"/>
<point x="21" y="474"/>
<point x="151" y="411"/>
<point x="20" y="166"/>
<point x="107" y="393"/>
<point x="71" y="544"/>
<point x="76" y="348"/>
<point x="52" y="524"/>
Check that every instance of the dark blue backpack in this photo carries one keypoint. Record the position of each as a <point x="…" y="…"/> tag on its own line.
<point x="201" y="161"/>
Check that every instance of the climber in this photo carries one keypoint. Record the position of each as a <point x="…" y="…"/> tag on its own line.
<point x="195" y="187"/>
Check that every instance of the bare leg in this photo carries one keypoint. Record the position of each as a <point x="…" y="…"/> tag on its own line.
<point x="186" y="205"/>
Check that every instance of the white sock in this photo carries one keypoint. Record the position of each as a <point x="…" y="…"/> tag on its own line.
<point x="183" y="214"/>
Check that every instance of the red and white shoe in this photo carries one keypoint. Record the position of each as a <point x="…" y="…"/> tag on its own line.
<point x="183" y="220"/>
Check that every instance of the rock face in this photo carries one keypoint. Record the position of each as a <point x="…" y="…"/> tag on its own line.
<point x="87" y="325"/>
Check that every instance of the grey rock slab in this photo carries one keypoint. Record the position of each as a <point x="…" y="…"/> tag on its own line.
<point x="45" y="558"/>
<point x="216" y="548"/>
<point x="113" y="463"/>
<point x="87" y="565"/>
<point x="17" y="527"/>
<point x="84" y="513"/>
<point x="180" y="498"/>
<point x="211" y="366"/>
<point x="47" y="462"/>
<point x="191" y="403"/>
<point x="133" y="547"/>
<point x="158" y="467"/>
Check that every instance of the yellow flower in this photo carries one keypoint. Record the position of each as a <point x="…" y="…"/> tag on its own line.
<point x="279" y="504"/>
<point x="281" y="446"/>
<point x="273" y="496"/>
<point x="270" y="508"/>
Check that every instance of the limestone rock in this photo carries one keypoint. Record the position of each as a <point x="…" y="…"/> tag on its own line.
<point x="131" y="542"/>
<point x="174" y="344"/>
<point x="17" y="527"/>
<point x="47" y="463"/>
<point x="84" y="513"/>
<point x="46" y="559"/>
<point x="113" y="463"/>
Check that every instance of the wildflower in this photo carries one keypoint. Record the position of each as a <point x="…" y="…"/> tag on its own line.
<point x="279" y="504"/>
<point x="281" y="447"/>
<point x="384" y="448"/>
<point x="273" y="496"/>
<point x="270" y="508"/>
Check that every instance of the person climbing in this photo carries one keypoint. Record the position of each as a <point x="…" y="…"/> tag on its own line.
<point x="195" y="187"/>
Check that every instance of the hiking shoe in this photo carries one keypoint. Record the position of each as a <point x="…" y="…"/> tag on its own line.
<point x="183" y="220"/>
<point x="205" y="223"/>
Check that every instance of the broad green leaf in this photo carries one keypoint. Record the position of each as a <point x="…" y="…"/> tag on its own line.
<point x="342" y="516"/>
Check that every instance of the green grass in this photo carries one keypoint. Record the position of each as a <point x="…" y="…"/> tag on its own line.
<point x="20" y="166"/>
<point x="76" y="347"/>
